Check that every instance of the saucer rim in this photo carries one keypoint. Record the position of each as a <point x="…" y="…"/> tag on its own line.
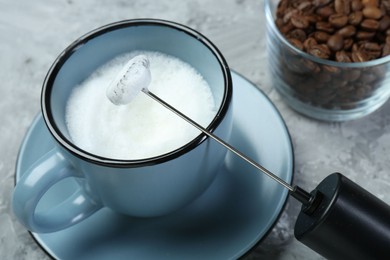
<point x="245" y="252"/>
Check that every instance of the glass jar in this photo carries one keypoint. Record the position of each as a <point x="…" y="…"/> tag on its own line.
<point x="321" y="88"/>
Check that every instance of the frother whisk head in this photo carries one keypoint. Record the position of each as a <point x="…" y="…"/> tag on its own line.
<point x="130" y="81"/>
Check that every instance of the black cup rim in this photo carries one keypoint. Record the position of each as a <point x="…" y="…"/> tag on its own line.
<point x="119" y="163"/>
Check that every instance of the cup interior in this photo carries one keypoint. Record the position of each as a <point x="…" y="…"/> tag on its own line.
<point x="91" y="51"/>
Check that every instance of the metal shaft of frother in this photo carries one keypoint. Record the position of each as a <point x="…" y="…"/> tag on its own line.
<point x="295" y="191"/>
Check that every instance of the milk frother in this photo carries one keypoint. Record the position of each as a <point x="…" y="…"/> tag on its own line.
<point x="338" y="219"/>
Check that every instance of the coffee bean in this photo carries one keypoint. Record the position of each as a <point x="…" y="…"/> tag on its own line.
<point x="372" y="12"/>
<point x="342" y="56"/>
<point x="325" y="11"/>
<point x="347" y="31"/>
<point x="297" y="43"/>
<point x="370" y="46"/>
<point x="367" y="78"/>
<point x="299" y="21"/>
<point x="288" y="14"/>
<point x="372" y="50"/>
<point x="342" y="6"/>
<point x="309" y="42"/>
<point x="353" y="74"/>
<point x="356" y="5"/>
<point x="282" y="7"/>
<point x="386" y="6"/>
<point x="359" y="56"/>
<point x="338" y="20"/>
<point x="305" y="6"/>
<point x="370" y="24"/>
<point x="321" y="37"/>
<point x="386" y="50"/>
<point x="298" y="34"/>
<point x="320" y="51"/>
<point x="319" y="3"/>
<point x="384" y="23"/>
<point x="335" y="42"/>
<point x="312" y="18"/>
<point x="348" y="44"/>
<point x="355" y="18"/>
<point x="325" y="27"/>
<point x="311" y="66"/>
<point x="331" y="69"/>
<point x="370" y="2"/>
<point x="363" y="35"/>
<point x="324" y="77"/>
<point x="286" y="28"/>
<point x="355" y="47"/>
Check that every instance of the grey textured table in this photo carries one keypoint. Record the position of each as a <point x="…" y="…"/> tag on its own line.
<point x="33" y="33"/>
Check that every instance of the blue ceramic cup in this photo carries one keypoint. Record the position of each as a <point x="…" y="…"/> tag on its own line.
<point x="146" y="187"/>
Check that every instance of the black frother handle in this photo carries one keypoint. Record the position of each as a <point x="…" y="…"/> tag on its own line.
<point x="348" y="222"/>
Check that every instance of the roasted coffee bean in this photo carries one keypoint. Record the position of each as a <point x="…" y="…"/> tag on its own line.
<point x="305" y="6"/>
<point x="309" y="42"/>
<point x="286" y="28"/>
<point x="372" y="49"/>
<point x="352" y="75"/>
<point x="359" y="56"/>
<point x="311" y="66"/>
<point x="335" y="42"/>
<point x="331" y="69"/>
<point x="342" y="6"/>
<point x="338" y="20"/>
<point x="324" y="77"/>
<point x="372" y="12"/>
<point x="321" y="37"/>
<point x="386" y="50"/>
<point x="320" y="51"/>
<point x="342" y="56"/>
<point x="370" y="2"/>
<point x="384" y="23"/>
<point x="347" y="31"/>
<point x="288" y="14"/>
<point x="297" y="43"/>
<point x="325" y="27"/>
<point x="298" y="34"/>
<point x="363" y="35"/>
<point x="386" y="6"/>
<point x="355" y="18"/>
<point x="282" y="7"/>
<point x="370" y="46"/>
<point x="366" y="78"/>
<point x="299" y="21"/>
<point x="319" y="3"/>
<point x="312" y="18"/>
<point x="370" y="25"/>
<point x="348" y="44"/>
<point x="325" y="11"/>
<point x="355" y="47"/>
<point x="356" y="5"/>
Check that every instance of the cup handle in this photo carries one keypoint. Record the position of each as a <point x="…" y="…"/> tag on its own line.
<point x="36" y="181"/>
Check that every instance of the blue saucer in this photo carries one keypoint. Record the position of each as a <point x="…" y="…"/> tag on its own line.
<point x="230" y="218"/>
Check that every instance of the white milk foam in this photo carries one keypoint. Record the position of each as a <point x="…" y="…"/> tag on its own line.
<point x="143" y="128"/>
